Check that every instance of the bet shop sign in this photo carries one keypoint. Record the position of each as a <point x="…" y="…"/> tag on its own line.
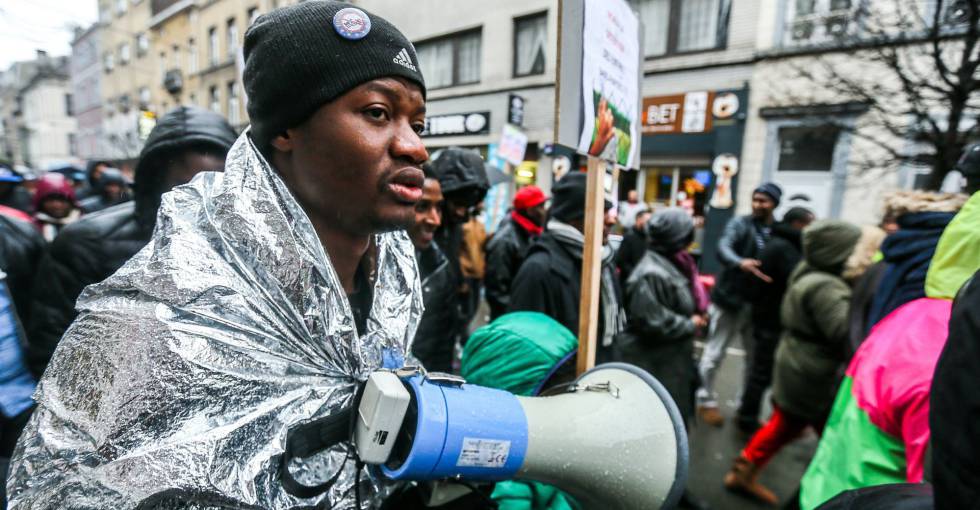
<point x="457" y="124"/>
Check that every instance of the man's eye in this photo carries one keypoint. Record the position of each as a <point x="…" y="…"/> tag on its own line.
<point x="377" y="113"/>
<point x="418" y="128"/>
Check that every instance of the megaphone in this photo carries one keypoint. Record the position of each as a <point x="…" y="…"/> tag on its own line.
<point x="613" y="440"/>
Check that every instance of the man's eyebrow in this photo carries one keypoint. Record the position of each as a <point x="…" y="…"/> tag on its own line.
<point x="392" y="94"/>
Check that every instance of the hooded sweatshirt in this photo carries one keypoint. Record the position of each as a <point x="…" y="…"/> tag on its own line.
<point x="878" y="430"/>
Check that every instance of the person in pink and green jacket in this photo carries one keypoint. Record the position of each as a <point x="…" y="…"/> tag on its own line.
<point x="878" y="431"/>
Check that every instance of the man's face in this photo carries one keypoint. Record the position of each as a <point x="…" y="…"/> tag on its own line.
<point x="537" y="214"/>
<point x="762" y="205"/>
<point x="112" y="191"/>
<point x="632" y="197"/>
<point x="608" y="222"/>
<point x="56" y="207"/>
<point x="641" y="220"/>
<point x="183" y="168"/>
<point x="356" y="164"/>
<point x="458" y="213"/>
<point x="428" y="215"/>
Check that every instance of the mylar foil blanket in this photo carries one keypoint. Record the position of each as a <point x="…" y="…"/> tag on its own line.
<point x="179" y="380"/>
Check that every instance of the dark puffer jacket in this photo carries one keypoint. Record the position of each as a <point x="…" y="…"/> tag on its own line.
<point x="21" y="249"/>
<point x="434" y="340"/>
<point x="505" y="252"/>
<point x="94" y="247"/>
<point x="739" y="241"/>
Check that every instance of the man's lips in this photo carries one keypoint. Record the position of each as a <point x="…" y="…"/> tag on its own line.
<point x="406" y="184"/>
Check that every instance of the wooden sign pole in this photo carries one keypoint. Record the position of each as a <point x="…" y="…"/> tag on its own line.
<point x="588" y="318"/>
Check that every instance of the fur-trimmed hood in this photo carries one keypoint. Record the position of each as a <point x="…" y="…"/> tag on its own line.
<point x="864" y="251"/>
<point x="899" y="203"/>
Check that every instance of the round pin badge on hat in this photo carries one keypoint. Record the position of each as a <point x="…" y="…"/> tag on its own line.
<point x="352" y="23"/>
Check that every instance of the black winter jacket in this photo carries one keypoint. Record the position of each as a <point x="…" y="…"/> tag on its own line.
<point x="779" y="258"/>
<point x="550" y="281"/>
<point x="630" y="253"/>
<point x="955" y="406"/>
<point x="740" y="240"/>
<point x="505" y="252"/>
<point x="96" y="246"/>
<point x="21" y="249"/>
<point x="18" y="198"/>
<point x="434" y="339"/>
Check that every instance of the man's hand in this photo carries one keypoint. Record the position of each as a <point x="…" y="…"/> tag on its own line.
<point x="700" y="321"/>
<point x="751" y="266"/>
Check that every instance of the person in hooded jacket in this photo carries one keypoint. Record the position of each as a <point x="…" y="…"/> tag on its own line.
<point x="112" y="190"/>
<point x="509" y="244"/>
<point x="549" y="280"/>
<point x="434" y="342"/>
<point x="55" y="205"/>
<point x="879" y="430"/>
<point x="185" y="141"/>
<point x="463" y="179"/>
<point x="524" y="353"/>
<point x="778" y="260"/>
<point x="21" y="250"/>
<point x="666" y="305"/>
<point x="810" y="352"/>
<point x="12" y="193"/>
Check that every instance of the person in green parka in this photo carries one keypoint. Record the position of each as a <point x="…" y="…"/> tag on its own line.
<point x="523" y="353"/>
<point x="810" y="355"/>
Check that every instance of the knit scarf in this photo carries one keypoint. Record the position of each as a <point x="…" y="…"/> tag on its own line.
<point x="526" y="223"/>
<point x="614" y="319"/>
<point x="685" y="262"/>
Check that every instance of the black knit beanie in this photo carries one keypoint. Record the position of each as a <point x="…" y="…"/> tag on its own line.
<point x="568" y="198"/>
<point x="299" y="57"/>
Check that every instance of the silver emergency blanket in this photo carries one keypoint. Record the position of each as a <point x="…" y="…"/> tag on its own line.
<point x="178" y="382"/>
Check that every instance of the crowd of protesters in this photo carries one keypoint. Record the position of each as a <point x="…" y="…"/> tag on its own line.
<point x="845" y="324"/>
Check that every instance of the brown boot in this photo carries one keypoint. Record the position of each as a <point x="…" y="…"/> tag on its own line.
<point x="742" y="478"/>
<point x="711" y="415"/>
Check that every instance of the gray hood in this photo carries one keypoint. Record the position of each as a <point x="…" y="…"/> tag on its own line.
<point x="186" y="368"/>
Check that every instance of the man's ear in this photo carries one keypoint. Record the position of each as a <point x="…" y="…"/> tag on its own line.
<point x="283" y="142"/>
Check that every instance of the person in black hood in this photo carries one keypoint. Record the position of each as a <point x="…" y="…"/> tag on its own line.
<point x="434" y="343"/>
<point x="463" y="179"/>
<point x="112" y="190"/>
<point x="93" y="172"/>
<point x="778" y="259"/>
<point x="634" y="245"/>
<point x="185" y="141"/>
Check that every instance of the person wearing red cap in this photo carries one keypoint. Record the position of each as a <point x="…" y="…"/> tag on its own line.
<point x="55" y="204"/>
<point x="506" y="250"/>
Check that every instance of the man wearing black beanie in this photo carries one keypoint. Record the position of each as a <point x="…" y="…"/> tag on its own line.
<point x="730" y="313"/>
<point x="550" y="278"/>
<point x="218" y="367"/>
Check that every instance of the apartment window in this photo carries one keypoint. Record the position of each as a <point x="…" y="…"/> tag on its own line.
<point x="121" y="7"/>
<point x="144" y="98"/>
<point x="109" y="62"/>
<point x="233" y="117"/>
<point x="253" y="14"/>
<point x="214" y="99"/>
<point x="452" y="60"/>
<point x="175" y="51"/>
<point x="807" y="148"/>
<point x="162" y="63"/>
<point x="678" y="26"/>
<point x="193" y="99"/>
<point x="818" y="21"/>
<point x="123" y="54"/>
<point x="213" y="46"/>
<point x="191" y="56"/>
<point x="232" y="38"/>
<point x="530" y="40"/>
<point x="142" y="45"/>
<point x="69" y="111"/>
<point x="72" y="144"/>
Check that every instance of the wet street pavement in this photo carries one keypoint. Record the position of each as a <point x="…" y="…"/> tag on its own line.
<point x="712" y="449"/>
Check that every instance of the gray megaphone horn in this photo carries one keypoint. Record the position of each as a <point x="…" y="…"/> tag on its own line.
<point x="614" y="439"/>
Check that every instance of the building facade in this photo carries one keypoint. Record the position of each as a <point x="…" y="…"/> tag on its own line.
<point x="48" y="128"/>
<point x="86" y="86"/>
<point x="11" y="112"/>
